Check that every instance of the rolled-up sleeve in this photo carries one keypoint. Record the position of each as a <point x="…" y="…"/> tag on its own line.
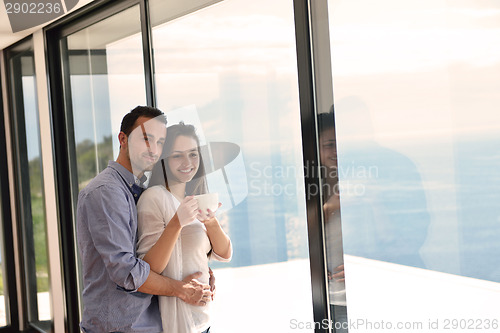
<point x="113" y="232"/>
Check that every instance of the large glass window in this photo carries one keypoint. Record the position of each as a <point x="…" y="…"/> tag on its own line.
<point x="104" y="76"/>
<point x="230" y="69"/>
<point x="29" y="182"/>
<point x="106" y="79"/>
<point x="417" y="133"/>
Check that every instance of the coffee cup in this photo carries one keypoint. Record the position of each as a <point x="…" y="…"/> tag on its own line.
<point x="207" y="201"/>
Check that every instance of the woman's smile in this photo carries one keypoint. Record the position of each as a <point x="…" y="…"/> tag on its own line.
<point x="184" y="159"/>
<point x="186" y="171"/>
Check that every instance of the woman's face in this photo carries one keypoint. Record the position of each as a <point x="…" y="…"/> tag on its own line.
<point x="328" y="149"/>
<point x="184" y="159"/>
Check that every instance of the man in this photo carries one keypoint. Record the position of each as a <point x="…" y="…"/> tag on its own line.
<point x="119" y="287"/>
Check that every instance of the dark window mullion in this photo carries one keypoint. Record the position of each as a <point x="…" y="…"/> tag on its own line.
<point x="147" y="47"/>
<point x="64" y="162"/>
<point x="310" y="156"/>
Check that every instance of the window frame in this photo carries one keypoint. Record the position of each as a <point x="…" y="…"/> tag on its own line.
<point x="8" y="264"/>
<point x="22" y="199"/>
<point x="64" y="145"/>
<point x="62" y="120"/>
<point x="310" y="149"/>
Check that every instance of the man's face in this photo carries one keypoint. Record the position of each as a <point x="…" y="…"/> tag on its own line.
<point x="145" y="144"/>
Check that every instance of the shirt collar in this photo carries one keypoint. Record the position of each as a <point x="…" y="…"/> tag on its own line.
<point x="127" y="176"/>
<point x="135" y="185"/>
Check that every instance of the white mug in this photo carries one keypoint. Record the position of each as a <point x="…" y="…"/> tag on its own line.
<point x="207" y="201"/>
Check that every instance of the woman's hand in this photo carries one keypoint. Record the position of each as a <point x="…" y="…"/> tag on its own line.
<point x="187" y="211"/>
<point x="208" y="216"/>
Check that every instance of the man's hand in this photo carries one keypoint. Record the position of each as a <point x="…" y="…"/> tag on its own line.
<point x="194" y="292"/>
<point x="211" y="282"/>
<point x="338" y="274"/>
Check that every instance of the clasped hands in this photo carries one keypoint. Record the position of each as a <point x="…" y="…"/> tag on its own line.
<point x="196" y="293"/>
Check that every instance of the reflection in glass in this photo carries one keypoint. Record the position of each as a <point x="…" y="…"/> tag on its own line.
<point x="106" y="73"/>
<point x="230" y="69"/>
<point x="24" y="101"/>
<point x="332" y="221"/>
<point x="418" y="135"/>
<point x="384" y="196"/>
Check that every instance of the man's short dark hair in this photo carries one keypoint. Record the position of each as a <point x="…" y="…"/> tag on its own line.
<point x="130" y="118"/>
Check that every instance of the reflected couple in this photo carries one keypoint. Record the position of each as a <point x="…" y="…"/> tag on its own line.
<point x="384" y="207"/>
<point x="333" y="229"/>
<point x="126" y="261"/>
<point x="384" y="211"/>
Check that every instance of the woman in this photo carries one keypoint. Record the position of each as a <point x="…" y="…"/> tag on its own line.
<point x="331" y="208"/>
<point x="174" y="237"/>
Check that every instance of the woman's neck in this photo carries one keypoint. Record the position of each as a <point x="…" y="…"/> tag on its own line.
<point x="178" y="190"/>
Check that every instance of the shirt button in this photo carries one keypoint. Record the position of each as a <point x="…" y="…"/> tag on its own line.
<point x="135" y="195"/>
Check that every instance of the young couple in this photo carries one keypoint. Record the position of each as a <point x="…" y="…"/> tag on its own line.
<point x="162" y="246"/>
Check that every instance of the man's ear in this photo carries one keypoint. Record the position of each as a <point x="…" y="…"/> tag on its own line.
<point x="123" y="139"/>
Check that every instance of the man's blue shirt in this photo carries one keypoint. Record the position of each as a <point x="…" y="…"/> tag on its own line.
<point x="112" y="273"/>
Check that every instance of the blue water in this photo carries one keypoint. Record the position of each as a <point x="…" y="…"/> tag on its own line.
<point x="391" y="220"/>
<point x="478" y="179"/>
